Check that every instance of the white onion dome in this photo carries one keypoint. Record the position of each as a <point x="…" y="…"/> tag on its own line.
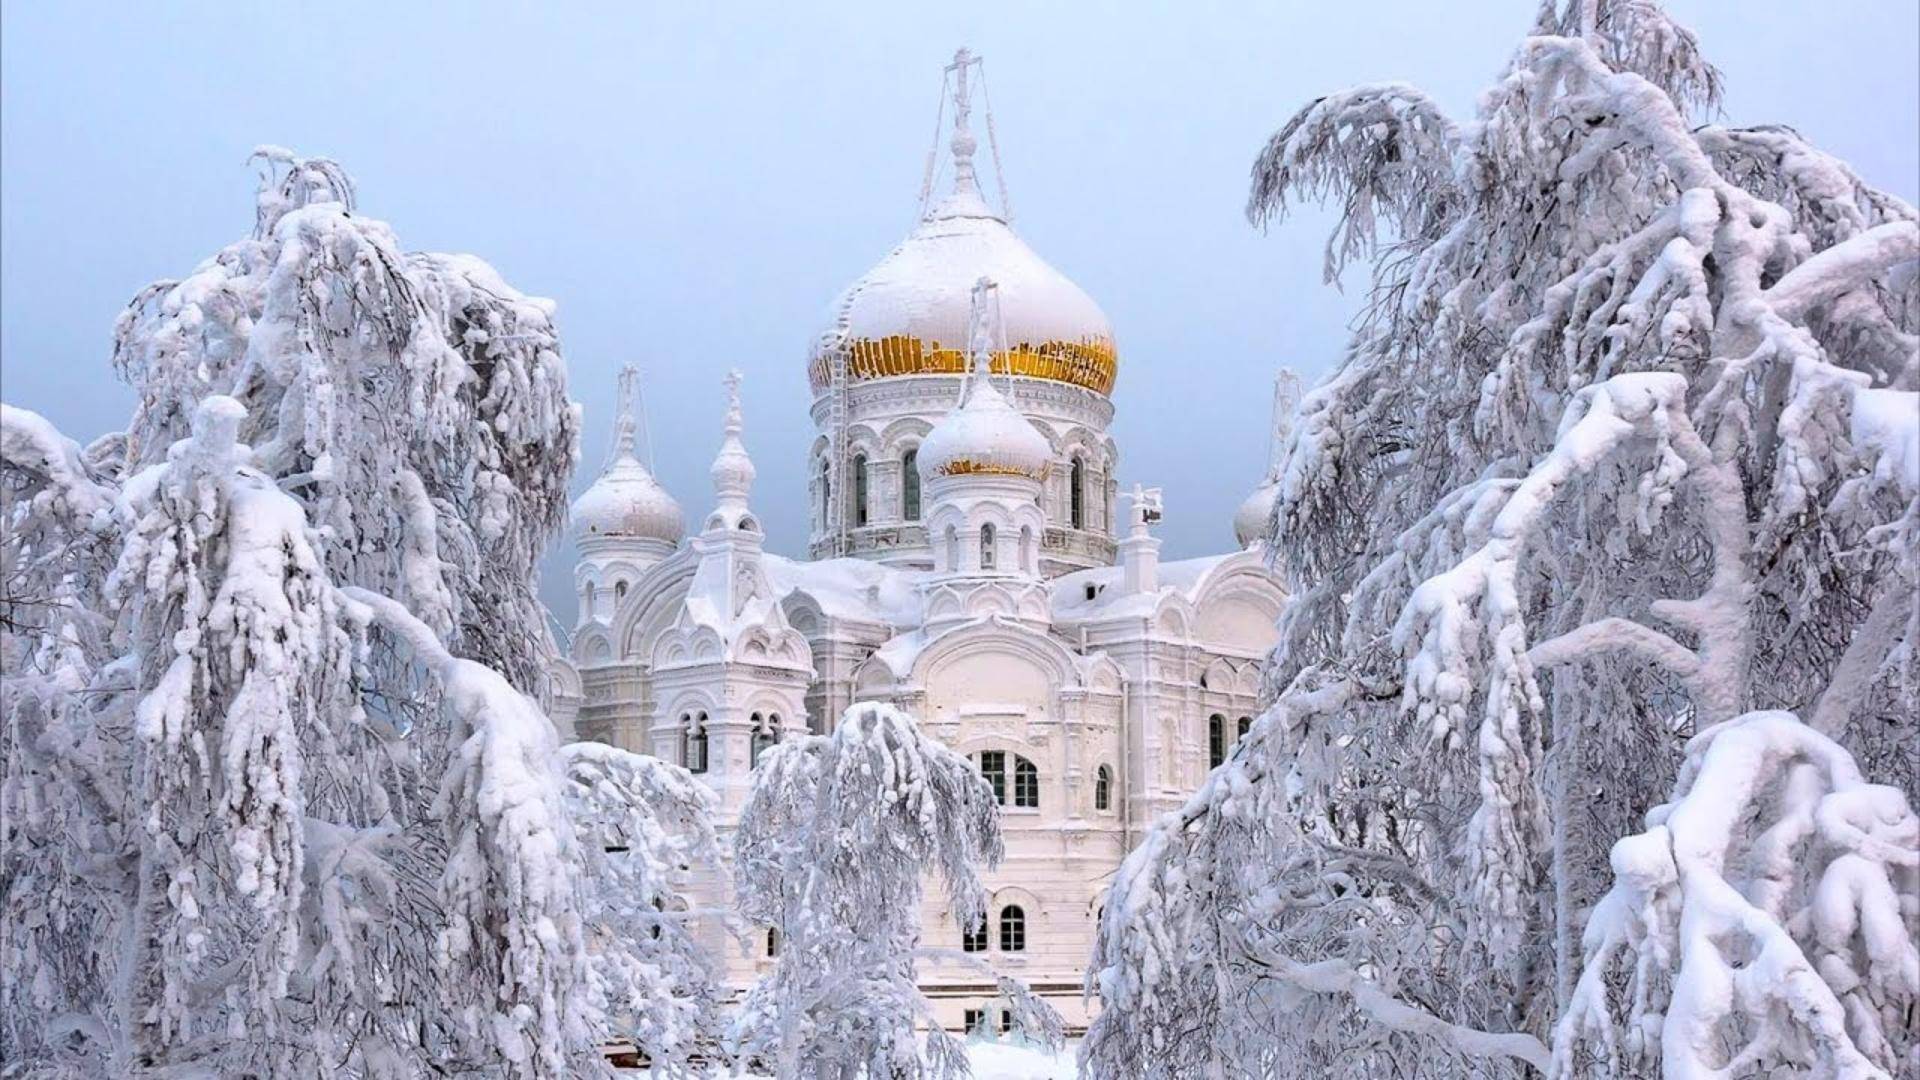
<point x="1250" y="521"/>
<point x="985" y="435"/>
<point x="627" y="503"/>
<point x="909" y="314"/>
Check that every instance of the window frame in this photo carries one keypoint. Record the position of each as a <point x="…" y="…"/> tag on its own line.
<point x="1026" y="784"/>
<point x="1012" y="925"/>
<point x="910" y="484"/>
<point x="1216" y="740"/>
<point x="860" y="486"/>
<point x="996" y="777"/>
<point x="1102" y="789"/>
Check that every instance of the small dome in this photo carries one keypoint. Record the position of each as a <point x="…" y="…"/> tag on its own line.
<point x="985" y="435"/>
<point x="1250" y="521"/>
<point x="627" y="502"/>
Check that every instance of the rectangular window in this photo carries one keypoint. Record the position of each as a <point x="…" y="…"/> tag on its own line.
<point x="1006" y="1021"/>
<point x="974" y="940"/>
<point x="974" y="1017"/>
<point x="993" y="766"/>
<point x="1216" y="740"/>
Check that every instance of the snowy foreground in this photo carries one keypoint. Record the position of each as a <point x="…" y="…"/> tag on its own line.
<point x="989" y="1060"/>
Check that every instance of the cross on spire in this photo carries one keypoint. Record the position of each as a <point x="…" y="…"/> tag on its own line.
<point x="963" y="143"/>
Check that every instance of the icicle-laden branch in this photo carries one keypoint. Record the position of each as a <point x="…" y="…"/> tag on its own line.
<point x="1217" y="906"/>
<point x="413" y="399"/>
<point x="839" y="832"/>
<point x="1762" y="922"/>
<point x="1617" y="452"/>
<point x="643" y="825"/>
<point x="512" y="912"/>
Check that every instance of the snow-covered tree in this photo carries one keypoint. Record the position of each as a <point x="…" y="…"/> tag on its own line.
<point x="832" y="850"/>
<point x="279" y="798"/>
<point x="1624" y="448"/>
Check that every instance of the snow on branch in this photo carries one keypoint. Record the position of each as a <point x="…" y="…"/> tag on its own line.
<point x="1763" y="921"/>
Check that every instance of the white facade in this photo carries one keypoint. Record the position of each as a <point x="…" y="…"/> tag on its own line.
<point x="962" y="394"/>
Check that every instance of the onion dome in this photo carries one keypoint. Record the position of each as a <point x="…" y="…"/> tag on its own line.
<point x="732" y="470"/>
<point x="626" y="502"/>
<point x="1250" y="521"/>
<point x="909" y="314"/>
<point x="984" y="434"/>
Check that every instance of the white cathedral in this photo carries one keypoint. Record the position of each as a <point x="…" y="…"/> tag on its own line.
<point x="964" y="564"/>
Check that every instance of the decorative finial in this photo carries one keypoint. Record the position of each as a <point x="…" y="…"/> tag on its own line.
<point x="734" y="418"/>
<point x="1286" y="399"/>
<point x="963" y="143"/>
<point x="732" y="469"/>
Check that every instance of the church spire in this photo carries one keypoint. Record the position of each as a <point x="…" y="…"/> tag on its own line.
<point x="963" y="143"/>
<point x="732" y="470"/>
<point x="628" y="420"/>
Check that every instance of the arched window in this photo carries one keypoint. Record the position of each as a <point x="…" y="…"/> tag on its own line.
<point x="1026" y="784"/>
<point x="910" y="485"/>
<point x="974" y="938"/>
<point x="1013" y="929"/>
<point x="773" y="941"/>
<point x="1077" y="494"/>
<point x="953" y="548"/>
<point x="586" y="602"/>
<point x="619" y="591"/>
<point x="826" y="493"/>
<point x="859" y="489"/>
<point x="766" y="736"/>
<point x="693" y="742"/>
<point x="993" y="766"/>
<point x="1216" y="740"/>
<point x="986" y="546"/>
<point x="1102" y="788"/>
<point x="1246" y="725"/>
<point x="1026" y="548"/>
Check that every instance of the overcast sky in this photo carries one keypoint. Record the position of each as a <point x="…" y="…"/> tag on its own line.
<point x="693" y="183"/>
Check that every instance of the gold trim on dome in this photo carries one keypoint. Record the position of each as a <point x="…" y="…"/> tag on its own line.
<point x="970" y="467"/>
<point x="1090" y="364"/>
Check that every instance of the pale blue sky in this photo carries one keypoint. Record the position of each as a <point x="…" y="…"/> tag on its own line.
<point x="694" y="182"/>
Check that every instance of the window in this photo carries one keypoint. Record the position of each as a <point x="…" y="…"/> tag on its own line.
<point x="986" y="546"/>
<point x="693" y="742"/>
<point x="1006" y="1021"/>
<point x="619" y="591"/>
<point x="586" y="602"/>
<point x="976" y="1019"/>
<point x="1013" y="929"/>
<point x="1026" y="547"/>
<point x="953" y="549"/>
<point x="773" y="942"/>
<point x="974" y="938"/>
<point x="993" y="766"/>
<point x="1026" y="784"/>
<point x="859" y="489"/>
<point x="826" y="493"/>
<point x="766" y="735"/>
<point x="1102" y="788"/>
<point x="1246" y="725"/>
<point x="1216" y="740"/>
<point x="1077" y="493"/>
<point x="910" y="485"/>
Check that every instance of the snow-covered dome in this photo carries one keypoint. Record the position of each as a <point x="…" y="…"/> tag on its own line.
<point x="909" y="314"/>
<point x="1250" y="521"/>
<point x="984" y="435"/>
<point x="627" y="502"/>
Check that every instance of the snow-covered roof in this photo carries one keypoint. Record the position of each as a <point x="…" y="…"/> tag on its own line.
<point x="850" y="588"/>
<point x="1071" y="604"/>
<point x="984" y="435"/>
